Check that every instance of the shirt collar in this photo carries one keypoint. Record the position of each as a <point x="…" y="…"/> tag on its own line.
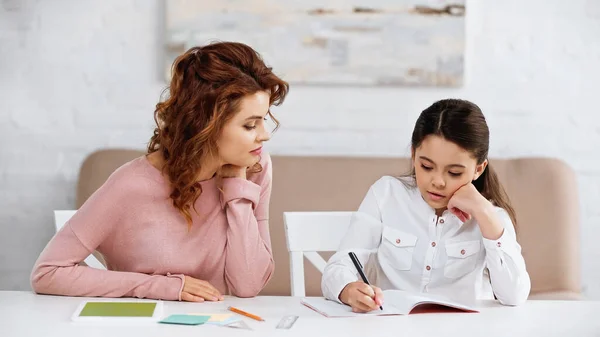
<point x="417" y="198"/>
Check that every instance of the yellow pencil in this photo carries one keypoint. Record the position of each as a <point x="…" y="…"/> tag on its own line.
<point x="247" y="314"/>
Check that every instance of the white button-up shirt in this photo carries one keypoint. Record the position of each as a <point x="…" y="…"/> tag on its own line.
<point x="403" y="245"/>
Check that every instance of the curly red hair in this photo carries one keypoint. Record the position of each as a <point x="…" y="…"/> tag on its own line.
<point x="207" y="85"/>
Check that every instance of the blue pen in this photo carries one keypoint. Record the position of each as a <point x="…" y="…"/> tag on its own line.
<point x="360" y="270"/>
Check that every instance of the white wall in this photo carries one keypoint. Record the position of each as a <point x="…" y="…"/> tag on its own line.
<point x="80" y="75"/>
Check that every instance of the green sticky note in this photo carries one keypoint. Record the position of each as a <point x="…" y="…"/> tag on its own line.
<point x="118" y="309"/>
<point x="185" y="319"/>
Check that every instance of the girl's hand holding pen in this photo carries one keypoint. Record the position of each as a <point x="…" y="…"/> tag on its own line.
<point x="362" y="297"/>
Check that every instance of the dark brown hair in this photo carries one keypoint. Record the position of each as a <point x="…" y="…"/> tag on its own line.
<point x="462" y="123"/>
<point x="206" y="87"/>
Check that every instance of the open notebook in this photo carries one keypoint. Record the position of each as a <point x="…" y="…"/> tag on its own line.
<point x="396" y="302"/>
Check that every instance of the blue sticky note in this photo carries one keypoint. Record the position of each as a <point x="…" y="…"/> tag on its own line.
<point x="185" y="319"/>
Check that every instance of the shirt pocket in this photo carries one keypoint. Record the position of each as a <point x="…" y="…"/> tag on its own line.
<point x="397" y="248"/>
<point x="462" y="258"/>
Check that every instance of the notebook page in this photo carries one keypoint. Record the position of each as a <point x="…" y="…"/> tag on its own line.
<point x="405" y="301"/>
<point x="333" y="309"/>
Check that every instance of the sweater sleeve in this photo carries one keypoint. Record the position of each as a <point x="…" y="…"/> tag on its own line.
<point x="57" y="270"/>
<point x="249" y="260"/>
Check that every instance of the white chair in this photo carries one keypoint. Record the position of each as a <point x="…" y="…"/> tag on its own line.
<point x="60" y="218"/>
<point x="308" y="233"/>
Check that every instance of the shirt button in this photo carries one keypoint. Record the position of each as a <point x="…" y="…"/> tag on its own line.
<point x="398" y="241"/>
<point x="462" y="252"/>
<point x="499" y="244"/>
<point x="433" y="244"/>
<point x="441" y="220"/>
<point x="428" y="268"/>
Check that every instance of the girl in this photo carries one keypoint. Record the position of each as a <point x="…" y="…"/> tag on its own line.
<point x="189" y="220"/>
<point x="447" y="228"/>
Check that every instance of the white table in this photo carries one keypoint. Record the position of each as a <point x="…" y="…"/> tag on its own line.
<point x="27" y="314"/>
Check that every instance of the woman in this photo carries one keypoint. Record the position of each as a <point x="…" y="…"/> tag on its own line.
<point x="189" y="220"/>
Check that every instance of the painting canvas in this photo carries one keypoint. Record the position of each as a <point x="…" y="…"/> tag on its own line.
<point x="329" y="42"/>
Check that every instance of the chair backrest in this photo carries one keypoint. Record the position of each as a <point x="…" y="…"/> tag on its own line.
<point x="60" y="218"/>
<point x="308" y="233"/>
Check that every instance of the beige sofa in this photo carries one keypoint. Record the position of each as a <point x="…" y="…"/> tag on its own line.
<point x="543" y="192"/>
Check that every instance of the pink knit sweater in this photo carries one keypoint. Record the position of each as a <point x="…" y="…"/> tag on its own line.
<point x="146" y="243"/>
